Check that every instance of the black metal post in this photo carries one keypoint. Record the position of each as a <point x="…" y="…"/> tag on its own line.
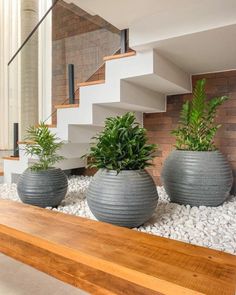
<point x="71" y="80"/>
<point x="15" y="139"/>
<point x="124" y="41"/>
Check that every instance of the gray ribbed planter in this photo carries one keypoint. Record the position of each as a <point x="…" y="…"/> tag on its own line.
<point x="197" y="178"/>
<point x="125" y="199"/>
<point x="45" y="188"/>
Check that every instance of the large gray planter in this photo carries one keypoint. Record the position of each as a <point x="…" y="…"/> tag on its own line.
<point x="125" y="199"/>
<point x="45" y="188"/>
<point x="197" y="178"/>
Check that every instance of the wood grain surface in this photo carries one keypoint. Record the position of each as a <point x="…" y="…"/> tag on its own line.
<point x="66" y="106"/>
<point x="89" y="83"/>
<point x="105" y="259"/>
<point x="120" y="55"/>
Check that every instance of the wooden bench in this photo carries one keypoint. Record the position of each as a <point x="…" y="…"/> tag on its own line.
<point x="105" y="259"/>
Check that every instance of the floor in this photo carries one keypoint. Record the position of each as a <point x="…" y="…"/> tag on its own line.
<point x="205" y="226"/>
<point x="19" y="279"/>
<point x="212" y="227"/>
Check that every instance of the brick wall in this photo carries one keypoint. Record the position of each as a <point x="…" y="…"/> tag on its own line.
<point x="80" y="39"/>
<point x="159" y="125"/>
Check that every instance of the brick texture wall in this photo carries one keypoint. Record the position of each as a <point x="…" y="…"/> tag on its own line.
<point x="80" y="39"/>
<point x="159" y="125"/>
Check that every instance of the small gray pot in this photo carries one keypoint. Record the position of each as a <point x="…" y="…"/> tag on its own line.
<point x="125" y="199"/>
<point x="46" y="188"/>
<point x="197" y="178"/>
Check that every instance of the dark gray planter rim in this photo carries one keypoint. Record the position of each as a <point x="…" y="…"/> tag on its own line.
<point x="190" y="151"/>
<point x="41" y="171"/>
<point x="127" y="170"/>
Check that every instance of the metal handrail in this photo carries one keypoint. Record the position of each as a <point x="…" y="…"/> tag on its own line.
<point x="33" y="31"/>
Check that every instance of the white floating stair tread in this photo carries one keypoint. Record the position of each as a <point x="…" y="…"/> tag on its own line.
<point x="83" y="84"/>
<point x="52" y="126"/>
<point x="48" y="125"/>
<point x="121" y="55"/>
<point x="66" y="106"/>
<point x="11" y="158"/>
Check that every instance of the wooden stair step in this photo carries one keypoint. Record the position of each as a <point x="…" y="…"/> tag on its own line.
<point x="89" y="83"/>
<point x="121" y="55"/>
<point x="25" y="142"/>
<point x="106" y="259"/>
<point x="1" y="173"/>
<point x="66" y="106"/>
<point x="11" y="158"/>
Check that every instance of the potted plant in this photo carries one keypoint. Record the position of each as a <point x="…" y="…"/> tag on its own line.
<point x="196" y="173"/>
<point x="41" y="184"/>
<point x="122" y="192"/>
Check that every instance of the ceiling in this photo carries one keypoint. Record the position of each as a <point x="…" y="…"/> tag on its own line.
<point x="208" y="51"/>
<point x="198" y="35"/>
<point x="126" y="13"/>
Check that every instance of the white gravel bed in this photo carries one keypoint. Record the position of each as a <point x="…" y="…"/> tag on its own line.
<point x="205" y="226"/>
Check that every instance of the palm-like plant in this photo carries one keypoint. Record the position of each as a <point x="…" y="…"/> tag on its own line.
<point x="122" y="145"/>
<point x="41" y="142"/>
<point x="197" y="126"/>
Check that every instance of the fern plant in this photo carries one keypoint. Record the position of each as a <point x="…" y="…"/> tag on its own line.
<point x="197" y="126"/>
<point x="122" y="145"/>
<point x="41" y="142"/>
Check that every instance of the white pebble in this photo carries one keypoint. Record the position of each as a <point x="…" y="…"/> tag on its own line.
<point x="205" y="226"/>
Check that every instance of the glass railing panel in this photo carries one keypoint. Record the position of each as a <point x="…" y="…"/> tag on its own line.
<point x="13" y="98"/>
<point x="80" y="39"/>
<point x="23" y="87"/>
<point x="25" y="68"/>
<point x="38" y="74"/>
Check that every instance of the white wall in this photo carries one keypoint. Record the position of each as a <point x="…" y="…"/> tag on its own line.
<point x="9" y="42"/>
<point x="45" y="62"/>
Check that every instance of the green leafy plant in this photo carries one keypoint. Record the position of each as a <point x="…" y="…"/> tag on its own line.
<point x="41" y="142"/>
<point x="197" y="126"/>
<point x="122" y="145"/>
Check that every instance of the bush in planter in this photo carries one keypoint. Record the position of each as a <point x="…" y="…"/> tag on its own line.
<point x="41" y="184"/>
<point x="197" y="173"/>
<point x="122" y="192"/>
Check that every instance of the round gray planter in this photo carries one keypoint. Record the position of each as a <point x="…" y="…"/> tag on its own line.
<point x="197" y="178"/>
<point x="125" y="199"/>
<point x="45" y="188"/>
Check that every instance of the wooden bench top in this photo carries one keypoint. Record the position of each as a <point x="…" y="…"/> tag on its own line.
<point x="105" y="259"/>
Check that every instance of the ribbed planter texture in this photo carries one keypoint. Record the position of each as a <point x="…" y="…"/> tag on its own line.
<point x="45" y="188"/>
<point x="125" y="199"/>
<point x="197" y="178"/>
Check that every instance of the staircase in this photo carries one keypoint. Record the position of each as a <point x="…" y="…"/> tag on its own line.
<point x="135" y="81"/>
